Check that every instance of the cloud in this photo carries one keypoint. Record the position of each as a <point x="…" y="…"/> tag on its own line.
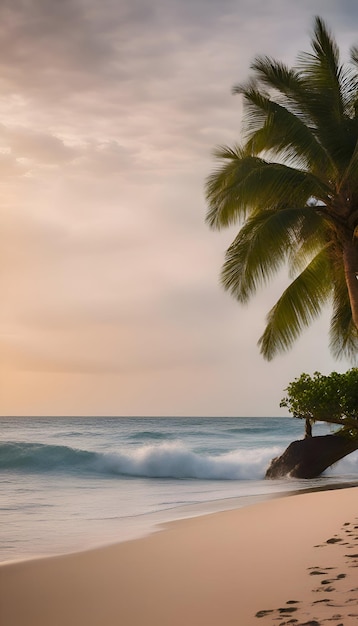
<point x="110" y="112"/>
<point x="36" y="146"/>
<point x="56" y="39"/>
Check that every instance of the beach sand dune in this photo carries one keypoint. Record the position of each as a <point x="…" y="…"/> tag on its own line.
<point x="291" y="560"/>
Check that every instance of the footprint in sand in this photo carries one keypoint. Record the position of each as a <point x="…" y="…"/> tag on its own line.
<point x="332" y="580"/>
<point x="264" y="612"/>
<point x="287" y="610"/>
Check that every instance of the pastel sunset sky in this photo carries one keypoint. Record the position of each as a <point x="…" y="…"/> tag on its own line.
<point x="109" y="276"/>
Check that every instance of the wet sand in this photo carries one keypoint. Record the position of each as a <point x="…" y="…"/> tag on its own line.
<point x="291" y="560"/>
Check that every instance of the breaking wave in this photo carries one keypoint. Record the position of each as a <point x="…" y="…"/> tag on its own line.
<point x="165" y="460"/>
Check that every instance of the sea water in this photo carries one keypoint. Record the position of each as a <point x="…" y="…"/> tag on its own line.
<point x="69" y="484"/>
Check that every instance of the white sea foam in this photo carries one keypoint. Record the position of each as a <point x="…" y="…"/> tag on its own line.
<point x="174" y="460"/>
<point x="345" y="467"/>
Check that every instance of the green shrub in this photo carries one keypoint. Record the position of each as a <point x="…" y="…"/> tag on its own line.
<point x="332" y="399"/>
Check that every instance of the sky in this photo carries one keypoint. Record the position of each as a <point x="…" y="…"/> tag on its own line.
<point x="111" y="302"/>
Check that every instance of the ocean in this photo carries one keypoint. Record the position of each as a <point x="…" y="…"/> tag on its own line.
<point x="69" y="484"/>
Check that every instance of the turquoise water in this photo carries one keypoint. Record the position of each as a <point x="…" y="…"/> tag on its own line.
<point x="72" y="483"/>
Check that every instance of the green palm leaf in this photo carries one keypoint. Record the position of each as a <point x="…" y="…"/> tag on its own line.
<point x="312" y="236"/>
<point x="322" y="70"/>
<point x="299" y="304"/>
<point x="223" y="187"/>
<point x="258" y="251"/>
<point x="331" y="91"/>
<point x="271" y="126"/>
<point x="245" y="184"/>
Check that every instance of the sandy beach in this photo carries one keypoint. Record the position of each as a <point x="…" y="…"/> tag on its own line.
<point x="290" y="560"/>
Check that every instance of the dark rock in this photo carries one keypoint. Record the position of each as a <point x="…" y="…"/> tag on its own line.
<point x="309" y="457"/>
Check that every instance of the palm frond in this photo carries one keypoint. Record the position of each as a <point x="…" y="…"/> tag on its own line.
<point x="271" y="126"/>
<point x="332" y="98"/>
<point x="286" y="81"/>
<point x="258" y="251"/>
<point x="312" y="236"/>
<point x="354" y="94"/>
<point x="322" y="71"/>
<point x="273" y="184"/>
<point x="326" y="50"/>
<point x="298" y="306"/>
<point x="340" y="80"/>
<point x="246" y="184"/>
<point x="354" y="54"/>
<point x="223" y="187"/>
<point x="277" y="75"/>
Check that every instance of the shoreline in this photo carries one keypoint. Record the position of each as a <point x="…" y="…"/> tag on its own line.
<point x="240" y="566"/>
<point x="157" y="521"/>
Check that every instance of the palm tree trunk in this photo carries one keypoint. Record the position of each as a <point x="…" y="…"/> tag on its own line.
<point x="350" y="259"/>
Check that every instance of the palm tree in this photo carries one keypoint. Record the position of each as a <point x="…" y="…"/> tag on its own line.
<point x="293" y="188"/>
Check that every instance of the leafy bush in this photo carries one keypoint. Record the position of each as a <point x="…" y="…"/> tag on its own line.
<point x="332" y="399"/>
